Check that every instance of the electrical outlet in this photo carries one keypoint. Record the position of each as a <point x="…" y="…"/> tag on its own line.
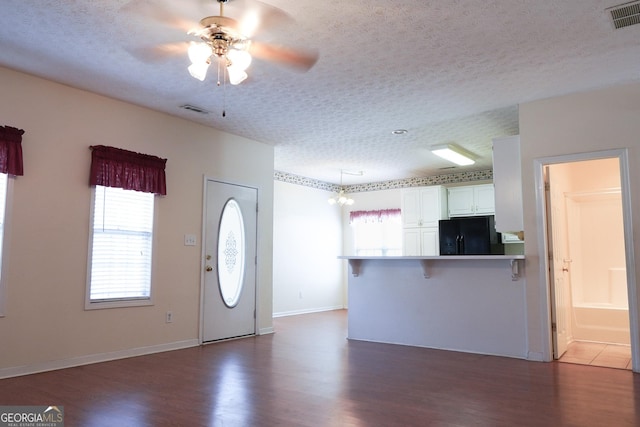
<point x="190" y="240"/>
<point x="169" y="317"/>
<point x="300" y="295"/>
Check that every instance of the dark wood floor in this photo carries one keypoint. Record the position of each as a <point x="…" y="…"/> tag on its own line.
<point x="308" y="374"/>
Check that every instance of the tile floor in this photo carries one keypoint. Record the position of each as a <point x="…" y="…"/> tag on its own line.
<point x="598" y="354"/>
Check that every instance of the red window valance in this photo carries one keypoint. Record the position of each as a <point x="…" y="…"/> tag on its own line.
<point x="11" y="150"/>
<point x="382" y="215"/>
<point x="115" y="167"/>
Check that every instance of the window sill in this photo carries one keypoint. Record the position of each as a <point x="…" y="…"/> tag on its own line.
<point x="117" y="304"/>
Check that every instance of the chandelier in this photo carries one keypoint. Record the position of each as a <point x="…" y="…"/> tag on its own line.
<point x="223" y="43"/>
<point x="341" y="198"/>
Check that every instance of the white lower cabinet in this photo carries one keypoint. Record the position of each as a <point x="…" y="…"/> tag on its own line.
<point x="421" y="241"/>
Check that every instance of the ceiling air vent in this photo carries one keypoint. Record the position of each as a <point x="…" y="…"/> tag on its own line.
<point x="625" y="14"/>
<point x="194" y="109"/>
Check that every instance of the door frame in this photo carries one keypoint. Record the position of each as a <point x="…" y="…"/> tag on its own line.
<point x="543" y="244"/>
<point x="203" y="260"/>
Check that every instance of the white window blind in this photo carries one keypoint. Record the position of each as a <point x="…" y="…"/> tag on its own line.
<point x="122" y="237"/>
<point x="4" y="178"/>
<point x="4" y="181"/>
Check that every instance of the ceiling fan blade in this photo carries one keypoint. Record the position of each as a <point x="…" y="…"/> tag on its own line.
<point x="255" y="16"/>
<point x="160" y="52"/>
<point x="154" y="10"/>
<point x="299" y="59"/>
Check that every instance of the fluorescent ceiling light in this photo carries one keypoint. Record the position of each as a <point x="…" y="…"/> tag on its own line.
<point x="454" y="154"/>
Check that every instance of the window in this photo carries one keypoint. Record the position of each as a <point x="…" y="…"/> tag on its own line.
<point x="10" y="164"/>
<point x="377" y="233"/>
<point x="231" y="252"/>
<point x="4" y="184"/>
<point x="120" y="248"/>
<point x="122" y="217"/>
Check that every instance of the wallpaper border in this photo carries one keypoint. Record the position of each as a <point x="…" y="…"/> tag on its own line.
<point x="452" y="178"/>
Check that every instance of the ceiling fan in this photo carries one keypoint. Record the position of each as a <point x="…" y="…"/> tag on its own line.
<point x="225" y="41"/>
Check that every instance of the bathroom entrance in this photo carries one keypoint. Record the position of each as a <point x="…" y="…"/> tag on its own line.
<point x="587" y="263"/>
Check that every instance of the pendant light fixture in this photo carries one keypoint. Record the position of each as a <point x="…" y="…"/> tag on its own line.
<point x="341" y="198"/>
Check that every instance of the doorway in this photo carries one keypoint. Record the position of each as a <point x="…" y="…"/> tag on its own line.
<point x="229" y="278"/>
<point x="588" y="247"/>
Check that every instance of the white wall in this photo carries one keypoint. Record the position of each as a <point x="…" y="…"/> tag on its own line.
<point x="309" y="235"/>
<point x="45" y="324"/>
<point x="307" y="275"/>
<point x="577" y="123"/>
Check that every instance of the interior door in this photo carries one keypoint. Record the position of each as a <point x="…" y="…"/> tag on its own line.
<point x="556" y="237"/>
<point x="229" y="293"/>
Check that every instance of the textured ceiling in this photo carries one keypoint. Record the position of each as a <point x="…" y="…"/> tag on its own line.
<point x="445" y="70"/>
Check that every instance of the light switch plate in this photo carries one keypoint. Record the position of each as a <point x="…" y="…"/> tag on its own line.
<point x="190" y="240"/>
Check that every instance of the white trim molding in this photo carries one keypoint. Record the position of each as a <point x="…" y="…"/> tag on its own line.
<point x="94" y="358"/>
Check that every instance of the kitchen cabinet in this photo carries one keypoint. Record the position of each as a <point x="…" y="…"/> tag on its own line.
<point x="422" y="208"/>
<point x="507" y="180"/>
<point x="421" y="241"/>
<point x="471" y="200"/>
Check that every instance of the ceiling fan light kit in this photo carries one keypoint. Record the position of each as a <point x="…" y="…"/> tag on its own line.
<point x="454" y="154"/>
<point x="229" y="43"/>
<point x="221" y="41"/>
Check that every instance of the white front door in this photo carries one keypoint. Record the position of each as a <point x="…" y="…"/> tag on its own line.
<point x="229" y="293"/>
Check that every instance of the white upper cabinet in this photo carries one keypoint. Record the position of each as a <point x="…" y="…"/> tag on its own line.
<point x="411" y="208"/>
<point x="471" y="200"/>
<point x="507" y="179"/>
<point x="423" y="206"/>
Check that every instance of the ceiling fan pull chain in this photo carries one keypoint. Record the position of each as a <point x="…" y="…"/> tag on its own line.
<point x="218" y="62"/>
<point x="224" y="92"/>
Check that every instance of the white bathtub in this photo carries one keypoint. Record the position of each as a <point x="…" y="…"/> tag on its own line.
<point x="601" y="323"/>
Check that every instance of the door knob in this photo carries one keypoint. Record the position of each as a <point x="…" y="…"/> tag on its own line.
<point x="209" y="268"/>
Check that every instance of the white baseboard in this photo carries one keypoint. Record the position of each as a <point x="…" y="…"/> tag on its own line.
<point x="307" y="311"/>
<point x="266" y="331"/>
<point x="94" y="358"/>
<point x="457" y="350"/>
<point x="535" y="356"/>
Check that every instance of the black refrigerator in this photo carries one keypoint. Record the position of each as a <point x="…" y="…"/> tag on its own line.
<point x="473" y="235"/>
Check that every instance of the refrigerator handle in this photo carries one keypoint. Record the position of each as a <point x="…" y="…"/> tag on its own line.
<point x="461" y="249"/>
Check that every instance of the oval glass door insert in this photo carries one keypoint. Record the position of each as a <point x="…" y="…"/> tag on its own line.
<point x="231" y="256"/>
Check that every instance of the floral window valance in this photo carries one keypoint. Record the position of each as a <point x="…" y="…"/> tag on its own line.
<point x="115" y="167"/>
<point x="359" y="217"/>
<point x="11" y="150"/>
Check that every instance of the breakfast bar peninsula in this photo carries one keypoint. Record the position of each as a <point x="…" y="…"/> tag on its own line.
<point x="469" y="303"/>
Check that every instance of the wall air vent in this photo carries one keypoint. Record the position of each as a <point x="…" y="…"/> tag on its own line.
<point x="625" y="15"/>
<point x="194" y="109"/>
